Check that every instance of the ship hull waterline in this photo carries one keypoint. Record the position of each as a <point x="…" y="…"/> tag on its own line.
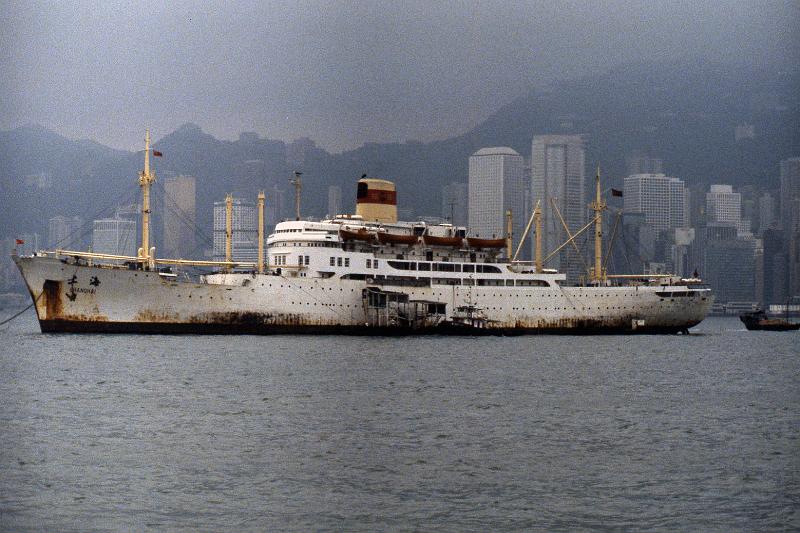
<point x="74" y="298"/>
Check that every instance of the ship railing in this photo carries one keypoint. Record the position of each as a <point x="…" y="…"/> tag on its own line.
<point x="145" y="260"/>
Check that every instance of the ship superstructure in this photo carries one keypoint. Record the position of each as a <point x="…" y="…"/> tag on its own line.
<point x="365" y="273"/>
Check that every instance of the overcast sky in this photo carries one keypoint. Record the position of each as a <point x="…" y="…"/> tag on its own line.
<point x="341" y="72"/>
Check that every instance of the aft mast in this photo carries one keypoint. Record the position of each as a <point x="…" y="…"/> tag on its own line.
<point x="146" y="178"/>
<point x="598" y="205"/>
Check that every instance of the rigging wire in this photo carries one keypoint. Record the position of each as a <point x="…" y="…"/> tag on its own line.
<point x="6" y="321"/>
<point x="86" y="228"/>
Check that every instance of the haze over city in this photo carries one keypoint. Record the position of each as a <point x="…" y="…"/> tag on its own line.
<point x="342" y="73"/>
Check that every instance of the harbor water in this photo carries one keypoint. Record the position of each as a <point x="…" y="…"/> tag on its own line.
<point x="246" y="433"/>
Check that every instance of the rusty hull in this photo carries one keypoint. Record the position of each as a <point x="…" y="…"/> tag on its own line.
<point x="143" y="302"/>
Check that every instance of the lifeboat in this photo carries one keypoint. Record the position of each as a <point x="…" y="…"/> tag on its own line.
<point x="442" y="241"/>
<point x="475" y="242"/>
<point x="394" y="238"/>
<point x="360" y="235"/>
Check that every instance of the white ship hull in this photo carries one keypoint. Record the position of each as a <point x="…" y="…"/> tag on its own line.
<point x="80" y="298"/>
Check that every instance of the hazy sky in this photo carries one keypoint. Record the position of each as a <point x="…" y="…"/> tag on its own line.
<point x="340" y="72"/>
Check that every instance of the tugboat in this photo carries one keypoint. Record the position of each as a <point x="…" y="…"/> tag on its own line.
<point x="758" y="320"/>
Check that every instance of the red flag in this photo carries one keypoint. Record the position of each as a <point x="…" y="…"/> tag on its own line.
<point x="20" y="241"/>
<point x="156" y="153"/>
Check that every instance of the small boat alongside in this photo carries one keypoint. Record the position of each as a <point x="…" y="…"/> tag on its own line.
<point x="759" y="321"/>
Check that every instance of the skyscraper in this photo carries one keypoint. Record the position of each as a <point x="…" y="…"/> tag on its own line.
<point x="496" y="184"/>
<point x="180" y="221"/>
<point x="244" y="226"/>
<point x="558" y="167"/>
<point x="728" y="262"/>
<point x="662" y="200"/>
<point x="790" y="220"/>
<point x="766" y="212"/>
<point x="724" y="205"/>
<point x="790" y="194"/>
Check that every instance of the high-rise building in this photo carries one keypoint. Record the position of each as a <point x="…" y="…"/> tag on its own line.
<point x="728" y="262"/>
<point x="334" y="201"/>
<point x="790" y="194"/>
<point x="454" y="203"/>
<point x="766" y="212"/>
<point x="180" y="219"/>
<point x="114" y="236"/>
<point x="558" y="171"/>
<point x="496" y="184"/>
<point x="662" y="199"/>
<point x="725" y="205"/>
<point x="244" y="227"/>
<point x="64" y="233"/>
<point x="776" y="267"/>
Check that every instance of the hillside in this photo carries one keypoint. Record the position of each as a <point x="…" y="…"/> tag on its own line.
<point x="684" y="113"/>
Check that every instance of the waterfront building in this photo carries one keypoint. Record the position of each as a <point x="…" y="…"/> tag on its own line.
<point x="180" y="217"/>
<point x="244" y="235"/>
<point x="728" y="262"/>
<point x="558" y="167"/>
<point x="776" y="267"/>
<point x="496" y="184"/>
<point x="661" y="198"/>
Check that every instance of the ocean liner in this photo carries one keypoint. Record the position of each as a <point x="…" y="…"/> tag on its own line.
<point x="364" y="273"/>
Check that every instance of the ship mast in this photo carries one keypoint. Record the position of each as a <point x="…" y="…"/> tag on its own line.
<point x="260" y="264"/>
<point x="146" y="178"/>
<point x="598" y="205"/>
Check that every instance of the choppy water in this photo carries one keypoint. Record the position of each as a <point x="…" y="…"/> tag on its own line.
<point x="349" y="433"/>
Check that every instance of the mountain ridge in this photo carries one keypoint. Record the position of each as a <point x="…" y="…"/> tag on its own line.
<point x="683" y="113"/>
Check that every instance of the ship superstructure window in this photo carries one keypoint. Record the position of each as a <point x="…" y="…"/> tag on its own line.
<point x="532" y="283"/>
<point x="424" y="266"/>
<point x="347" y="261"/>
<point x="375" y="263"/>
<point x="338" y="261"/>
<point x="333" y="261"/>
<point x="469" y="268"/>
<point x="369" y="263"/>
<point x="307" y="260"/>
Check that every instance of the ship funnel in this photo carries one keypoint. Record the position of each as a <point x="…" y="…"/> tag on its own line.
<point x="376" y="200"/>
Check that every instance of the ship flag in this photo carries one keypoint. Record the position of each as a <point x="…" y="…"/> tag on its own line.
<point x="156" y="153"/>
<point x="616" y="192"/>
